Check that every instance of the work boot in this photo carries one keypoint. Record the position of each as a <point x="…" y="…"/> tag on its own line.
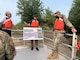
<point x="53" y="56"/>
<point x="32" y="48"/>
<point x="37" y="49"/>
<point x="50" y="56"/>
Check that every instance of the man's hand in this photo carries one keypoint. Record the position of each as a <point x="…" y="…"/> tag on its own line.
<point x="74" y="30"/>
<point x="14" y="53"/>
<point x="25" y="23"/>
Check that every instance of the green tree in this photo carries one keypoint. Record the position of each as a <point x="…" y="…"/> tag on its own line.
<point x="74" y="14"/>
<point x="28" y="8"/>
<point x="48" y="17"/>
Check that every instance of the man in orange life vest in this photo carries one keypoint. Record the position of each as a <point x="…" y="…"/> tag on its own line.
<point x="6" y="21"/>
<point x="3" y="19"/>
<point x="59" y="32"/>
<point x="35" y="24"/>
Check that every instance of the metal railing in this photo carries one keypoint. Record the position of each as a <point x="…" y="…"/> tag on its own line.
<point x="73" y="47"/>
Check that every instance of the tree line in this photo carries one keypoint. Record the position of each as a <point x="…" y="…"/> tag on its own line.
<point x="28" y="8"/>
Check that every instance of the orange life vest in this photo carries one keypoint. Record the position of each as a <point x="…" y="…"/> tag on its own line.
<point x="8" y="23"/>
<point x="78" y="45"/>
<point x="59" y="24"/>
<point x="35" y="23"/>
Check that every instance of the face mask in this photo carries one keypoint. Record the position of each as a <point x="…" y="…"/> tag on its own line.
<point x="7" y="17"/>
<point x="57" y="17"/>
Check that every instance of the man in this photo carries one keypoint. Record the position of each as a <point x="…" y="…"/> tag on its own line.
<point x="7" y="49"/>
<point x="3" y="21"/>
<point x="59" y="32"/>
<point x="35" y="24"/>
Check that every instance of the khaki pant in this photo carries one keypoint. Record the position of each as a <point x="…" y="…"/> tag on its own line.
<point x="57" y="39"/>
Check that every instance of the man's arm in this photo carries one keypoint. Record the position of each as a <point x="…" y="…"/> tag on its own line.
<point x="69" y="24"/>
<point x="15" y="27"/>
<point x="2" y="19"/>
<point x="27" y="24"/>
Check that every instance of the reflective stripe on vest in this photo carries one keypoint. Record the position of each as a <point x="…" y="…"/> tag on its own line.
<point x="59" y="24"/>
<point x="35" y="23"/>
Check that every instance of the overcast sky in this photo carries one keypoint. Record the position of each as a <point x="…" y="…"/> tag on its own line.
<point x="11" y="5"/>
